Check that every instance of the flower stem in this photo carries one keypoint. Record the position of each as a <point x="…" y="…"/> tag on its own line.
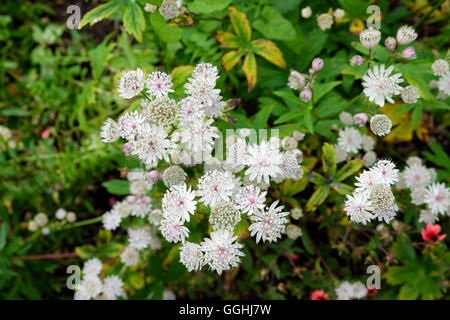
<point x="81" y="223"/>
<point x="428" y="14"/>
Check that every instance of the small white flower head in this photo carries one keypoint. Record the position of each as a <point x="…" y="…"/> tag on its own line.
<point x="41" y="219"/>
<point x="249" y="199"/>
<point x="379" y="85"/>
<point x="296" y="213"/>
<point x="129" y="256"/>
<point x="416" y="175"/>
<point x="236" y="152"/>
<point x="358" y="207"/>
<point x="123" y="208"/>
<point x="131" y="83"/>
<point x="151" y="144"/>
<point x="437" y="198"/>
<point x="339" y="13"/>
<point x="139" y="238"/>
<point x="162" y="111"/>
<point x="390" y="43"/>
<point x="173" y="230"/>
<point x="341" y="154"/>
<point x="71" y="217"/>
<point x="367" y="143"/>
<point x="349" y="139"/>
<point x="90" y="287"/>
<point x="191" y="256"/>
<point x="206" y="72"/>
<point x="297" y="135"/>
<point x="414" y="160"/>
<point x="433" y="174"/>
<point x="190" y="109"/>
<point x="179" y="202"/>
<point x="410" y="94"/>
<point x="155" y="216"/>
<point x="32" y="226"/>
<point x="111" y="220"/>
<point x="60" y="213"/>
<point x="222" y="252"/>
<point x="306" y="12"/>
<point x="45" y="231"/>
<point x="356" y="61"/>
<point x="197" y="136"/>
<point x="406" y="35"/>
<point x="427" y="217"/>
<point x="202" y="90"/>
<point x="173" y="175"/>
<point x="386" y="171"/>
<point x="159" y="84"/>
<point x="325" y="21"/>
<point x="224" y="216"/>
<point x="370" y="37"/>
<point x="293" y="232"/>
<point x="367" y="180"/>
<point x="215" y="186"/>
<point x="169" y="9"/>
<point x="129" y="124"/>
<point x="386" y="215"/>
<point x="150" y="8"/>
<point x="381" y="197"/>
<point x="440" y="67"/>
<point x="92" y="267"/>
<point x="444" y="83"/>
<point x="380" y="125"/>
<point x="418" y="195"/>
<point x="113" y="288"/>
<point x="359" y="290"/>
<point x="369" y="159"/>
<point x="110" y="131"/>
<point x="268" y="224"/>
<point x="346" y="118"/>
<point x="344" y="291"/>
<point x="433" y="84"/>
<point x="264" y="161"/>
<point x="296" y="80"/>
<point x="214" y="108"/>
<point x="290" y="168"/>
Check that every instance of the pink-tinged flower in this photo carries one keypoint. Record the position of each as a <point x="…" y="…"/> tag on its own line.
<point x="360" y="119"/>
<point x="45" y="134"/>
<point x="390" y="43"/>
<point x="153" y="176"/>
<point x="127" y="148"/>
<point x="306" y="94"/>
<point x="371" y="292"/>
<point x="430" y="233"/>
<point x="409" y="53"/>
<point x="356" y="61"/>
<point x="317" y="64"/>
<point x="318" y="295"/>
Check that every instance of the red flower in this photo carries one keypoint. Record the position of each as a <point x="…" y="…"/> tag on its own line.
<point x="430" y="233"/>
<point x="318" y="295"/>
<point x="45" y="134"/>
<point x="371" y="292"/>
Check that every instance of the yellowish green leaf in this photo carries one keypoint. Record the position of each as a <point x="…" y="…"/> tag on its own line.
<point x="269" y="51"/>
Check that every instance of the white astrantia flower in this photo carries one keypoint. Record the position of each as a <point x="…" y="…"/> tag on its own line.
<point x="215" y="186"/>
<point x="444" y="83"/>
<point x="131" y="83"/>
<point x="113" y="288"/>
<point x="344" y="291"/>
<point x="159" y="84"/>
<point x="410" y="94"/>
<point x="92" y="267"/>
<point x="346" y="118"/>
<point x="380" y="125"/>
<point x="90" y="287"/>
<point x="222" y="252"/>
<point x="418" y="195"/>
<point x="111" y="220"/>
<point x="367" y="142"/>
<point x="130" y="256"/>
<point x="122" y="207"/>
<point x="290" y="167"/>
<point x="349" y="139"/>
<point x="190" y="109"/>
<point x="370" y="37"/>
<point x="440" y="67"/>
<point x="359" y="290"/>
<point x="130" y="123"/>
<point x="406" y="35"/>
<point x="264" y="161"/>
<point x="197" y="136"/>
<point x="162" y="111"/>
<point x="173" y="230"/>
<point x="192" y="256"/>
<point x="414" y="160"/>
<point x="224" y="216"/>
<point x="358" y="207"/>
<point x="139" y="238"/>
<point x="379" y="85"/>
<point x="268" y="224"/>
<point x="325" y="21"/>
<point x="341" y="154"/>
<point x="169" y="9"/>
<point x="206" y="72"/>
<point x="151" y="144"/>
<point x="427" y="217"/>
<point x="366" y="181"/>
<point x="140" y="205"/>
<point x="215" y="106"/>
<point x="386" y="215"/>
<point x="249" y="199"/>
<point x="416" y="176"/>
<point x="437" y="198"/>
<point x="155" y="216"/>
<point x="60" y="213"/>
<point x="369" y="159"/>
<point x="386" y="171"/>
<point x="179" y="201"/>
<point x="110" y="131"/>
<point x="201" y="90"/>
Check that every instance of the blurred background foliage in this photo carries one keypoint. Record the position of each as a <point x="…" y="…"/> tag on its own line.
<point x="58" y="87"/>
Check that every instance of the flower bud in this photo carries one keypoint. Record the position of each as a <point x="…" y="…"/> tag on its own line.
<point x="306" y="94"/>
<point x="390" y="43"/>
<point x="356" y="61"/>
<point x="153" y="176"/>
<point x="360" y="119"/>
<point x="409" y="53"/>
<point x="317" y="64"/>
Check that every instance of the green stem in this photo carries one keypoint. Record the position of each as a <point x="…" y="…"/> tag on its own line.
<point x="437" y="5"/>
<point x="81" y="223"/>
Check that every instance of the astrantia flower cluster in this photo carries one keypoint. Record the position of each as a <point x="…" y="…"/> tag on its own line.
<point x="373" y="197"/>
<point x="441" y="69"/>
<point x="347" y="290"/>
<point x="303" y="82"/>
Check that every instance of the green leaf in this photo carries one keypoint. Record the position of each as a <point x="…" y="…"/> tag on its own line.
<point x="101" y="12"/>
<point x="416" y="115"/>
<point x="4" y="228"/>
<point x="231" y="58"/>
<point x="86" y="251"/>
<point x="133" y="20"/>
<point x="329" y="159"/>
<point x="179" y="76"/>
<point x="273" y="25"/>
<point x="240" y="24"/>
<point x="316" y="178"/>
<point x="355" y="8"/>
<point x="99" y="59"/>
<point x="262" y="116"/>
<point x="249" y="68"/>
<point x="289" y="116"/>
<point x="269" y="51"/>
<point x="117" y="186"/>
<point x="349" y="168"/>
<point x="317" y="198"/>
<point x="321" y="89"/>
<point x="15" y="112"/>
<point x="307" y="244"/>
<point x="166" y="32"/>
<point x="341" y="188"/>
<point x="207" y="6"/>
